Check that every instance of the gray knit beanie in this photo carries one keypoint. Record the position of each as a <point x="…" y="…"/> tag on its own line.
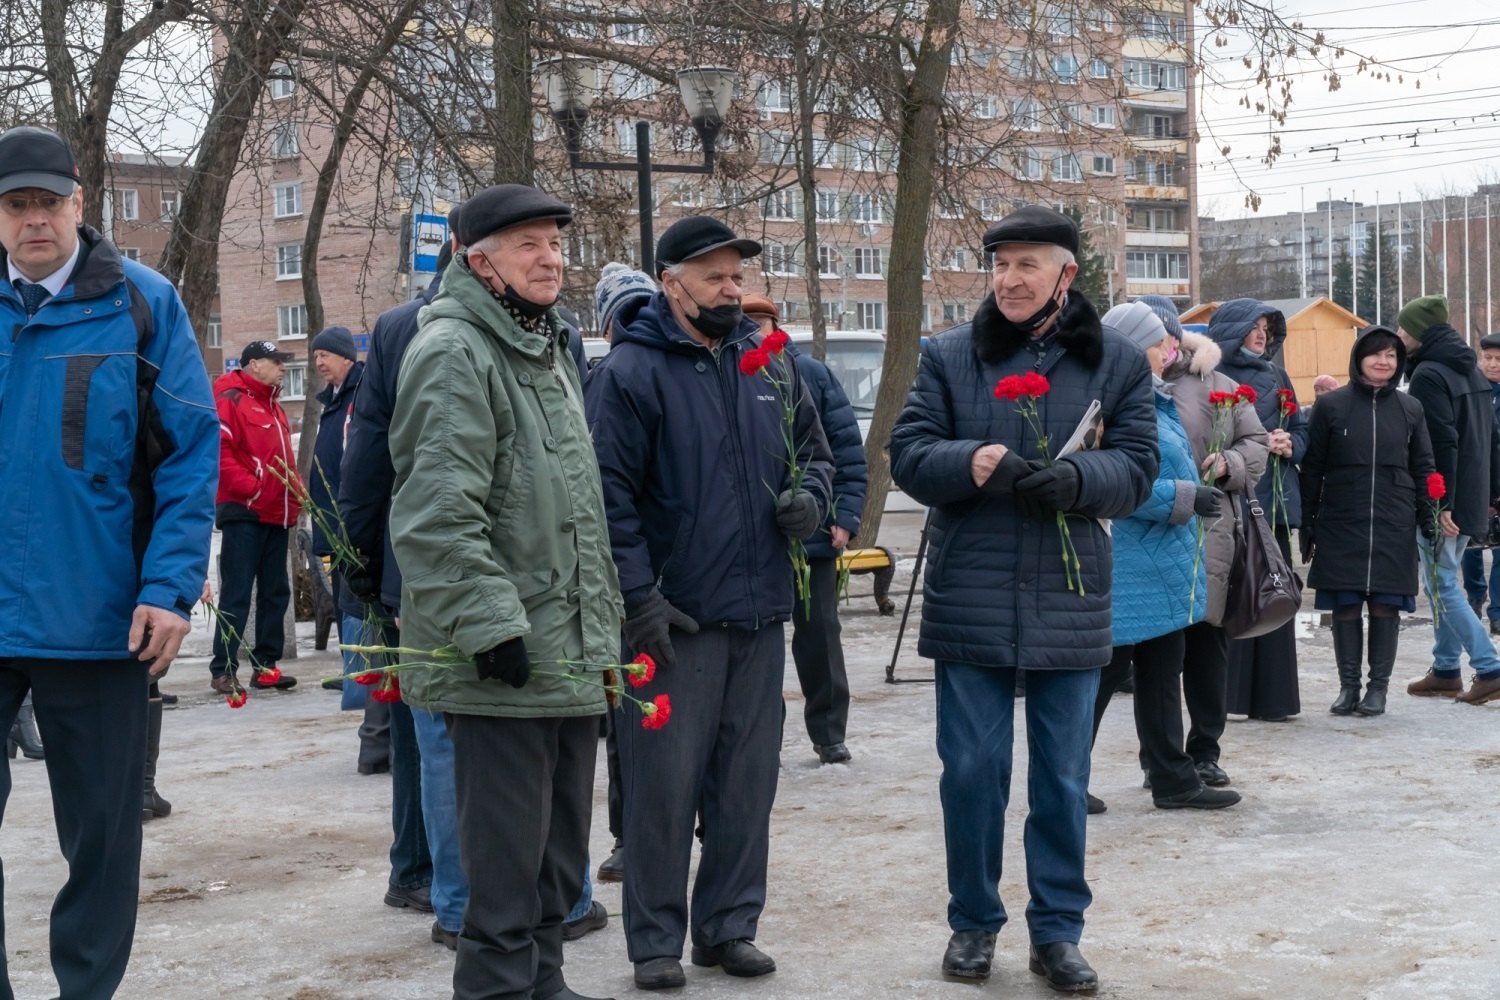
<point x="618" y="284"/>
<point x="1137" y="322"/>
<point x="1166" y="311"/>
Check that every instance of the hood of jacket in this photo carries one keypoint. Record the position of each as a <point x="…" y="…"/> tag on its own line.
<point x="1368" y="342"/>
<point x="1445" y="346"/>
<point x="650" y="323"/>
<point x="1079" y="331"/>
<point x="1233" y="320"/>
<point x="1196" y="355"/>
<point x="242" y="380"/>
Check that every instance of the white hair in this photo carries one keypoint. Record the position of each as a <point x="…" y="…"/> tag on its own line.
<point x="1063" y="255"/>
<point x="675" y="270"/>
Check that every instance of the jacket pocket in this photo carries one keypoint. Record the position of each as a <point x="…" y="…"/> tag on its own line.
<point x="97" y="416"/>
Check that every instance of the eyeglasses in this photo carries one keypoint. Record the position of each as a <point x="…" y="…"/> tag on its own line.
<point x="18" y="206"/>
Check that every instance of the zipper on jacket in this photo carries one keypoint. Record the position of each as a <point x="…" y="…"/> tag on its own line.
<point x="1374" y="464"/>
<point x="742" y="471"/>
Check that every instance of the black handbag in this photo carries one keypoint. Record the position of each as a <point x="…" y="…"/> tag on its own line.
<point x="1264" y="592"/>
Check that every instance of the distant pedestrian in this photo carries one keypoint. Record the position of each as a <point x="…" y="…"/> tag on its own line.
<point x="1322" y="386"/>
<point x="1484" y="590"/>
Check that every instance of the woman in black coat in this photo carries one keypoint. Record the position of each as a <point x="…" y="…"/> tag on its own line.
<point x="1363" y="487"/>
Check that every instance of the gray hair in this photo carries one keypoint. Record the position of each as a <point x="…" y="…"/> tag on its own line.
<point x="675" y="270"/>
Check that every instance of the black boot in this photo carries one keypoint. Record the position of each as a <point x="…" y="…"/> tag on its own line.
<point x="24" y="735"/>
<point x="153" y="806"/>
<point x="1348" y="654"/>
<point x="1384" y="634"/>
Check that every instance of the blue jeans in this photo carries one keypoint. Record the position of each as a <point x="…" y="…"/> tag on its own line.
<point x="1475" y="585"/>
<point x="585" y="899"/>
<point x="450" y="889"/>
<point x="1459" y="629"/>
<point x="975" y="737"/>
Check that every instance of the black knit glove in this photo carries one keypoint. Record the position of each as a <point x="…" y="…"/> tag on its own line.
<point x="1054" y="487"/>
<point x="797" y="514"/>
<point x="1208" y="502"/>
<point x="648" y="628"/>
<point x="363" y="580"/>
<point x="1305" y="544"/>
<point x="507" y="662"/>
<point x="1010" y="468"/>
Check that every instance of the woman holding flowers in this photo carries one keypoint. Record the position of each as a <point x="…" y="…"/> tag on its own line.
<point x="1364" y="485"/>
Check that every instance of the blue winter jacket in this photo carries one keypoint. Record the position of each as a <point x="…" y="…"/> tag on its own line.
<point x="1155" y="547"/>
<point x="1230" y="322"/>
<point x="692" y="458"/>
<point x="850" y="471"/>
<point x="328" y="453"/>
<point x="85" y="535"/>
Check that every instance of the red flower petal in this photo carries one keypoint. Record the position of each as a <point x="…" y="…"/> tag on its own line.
<point x="776" y="341"/>
<point x="641" y="670"/>
<point x="660" y="712"/>
<point x="236" y="699"/>
<point x="1436" y="487"/>
<point x="1246" y="393"/>
<point x="751" y="362"/>
<point x="1010" y="387"/>
<point x="369" y="677"/>
<point x="1036" y="384"/>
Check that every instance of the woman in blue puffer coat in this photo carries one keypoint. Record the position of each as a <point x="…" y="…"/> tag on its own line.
<point x="1160" y="588"/>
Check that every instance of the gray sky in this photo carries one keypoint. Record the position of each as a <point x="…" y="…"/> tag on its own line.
<point x="1450" y="47"/>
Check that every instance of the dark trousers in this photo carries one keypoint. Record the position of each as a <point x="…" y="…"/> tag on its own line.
<point x="720" y="755"/>
<point x="1205" y="680"/>
<point x="525" y="789"/>
<point x="1482" y="587"/>
<point x="975" y="733"/>
<point x="92" y="717"/>
<point x="616" y="797"/>
<point x="1158" y="709"/>
<point x="251" y="555"/>
<point x="411" y="861"/>
<point x="819" y="657"/>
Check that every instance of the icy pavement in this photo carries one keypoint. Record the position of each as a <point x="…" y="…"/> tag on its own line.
<point x="1362" y="863"/>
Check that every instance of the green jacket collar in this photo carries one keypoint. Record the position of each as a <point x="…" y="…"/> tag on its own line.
<point x="463" y="296"/>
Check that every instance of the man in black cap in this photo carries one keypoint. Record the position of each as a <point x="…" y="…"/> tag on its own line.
<point x="701" y="510"/>
<point x="497" y="520"/>
<point x="106" y="515"/>
<point x="1019" y="575"/>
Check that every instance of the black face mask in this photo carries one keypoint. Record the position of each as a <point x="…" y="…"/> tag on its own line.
<point x="510" y="297"/>
<point x="718" y="322"/>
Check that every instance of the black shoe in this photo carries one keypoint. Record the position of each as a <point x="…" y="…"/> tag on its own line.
<point x="283" y="682"/>
<point x="835" y="753"/>
<point x="1201" y="797"/>
<point x="419" y="898"/>
<point x="596" y="919"/>
<point x="612" y="868"/>
<point x="168" y="699"/>
<point x="1495" y="626"/>
<point x="1212" y="774"/>
<point x="373" y="767"/>
<point x="659" y="974"/>
<point x="441" y="935"/>
<point x="1064" y="967"/>
<point x="969" y="955"/>
<point x="333" y="684"/>
<point x="1096" y="805"/>
<point x="566" y="993"/>
<point x="739" y="957"/>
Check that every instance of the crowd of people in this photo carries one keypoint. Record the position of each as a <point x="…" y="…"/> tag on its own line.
<point x="480" y="490"/>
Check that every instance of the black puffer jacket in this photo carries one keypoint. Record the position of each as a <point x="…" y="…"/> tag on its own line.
<point x="1230" y="322"/>
<point x="1456" y="400"/>
<point x="995" y="592"/>
<point x="1363" y="483"/>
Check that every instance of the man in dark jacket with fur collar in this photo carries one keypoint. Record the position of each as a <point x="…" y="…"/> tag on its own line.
<point x="1000" y="596"/>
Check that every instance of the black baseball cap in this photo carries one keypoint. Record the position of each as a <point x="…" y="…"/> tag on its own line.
<point x="695" y="236"/>
<point x="506" y="205"/>
<point x="258" y="349"/>
<point x="32" y="157"/>
<point x="1033" y="224"/>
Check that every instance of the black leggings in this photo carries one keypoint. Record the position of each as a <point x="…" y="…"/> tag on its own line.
<point x="1378" y="609"/>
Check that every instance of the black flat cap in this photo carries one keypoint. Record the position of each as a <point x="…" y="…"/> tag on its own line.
<point x="695" y="236"/>
<point x="1033" y="224"/>
<point x="1490" y="342"/>
<point x="506" y="205"/>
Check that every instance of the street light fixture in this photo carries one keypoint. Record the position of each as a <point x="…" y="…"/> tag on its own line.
<point x="571" y="84"/>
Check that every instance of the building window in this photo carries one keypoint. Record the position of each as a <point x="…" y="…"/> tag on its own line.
<point x="130" y="253"/>
<point x="283" y="81"/>
<point x="868" y="262"/>
<point x="215" y="331"/>
<point x="1149" y="265"/>
<point x="127" y="204"/>
<point x="773" y="96"/>
<point x="791" y="312"/>
<point x="294" y="386"/>
<point x="289" y="261"/>
<point x="870" y="315"/>
<point x="1026" y="114"/>
<point x="581" y="252"/>
<point x="170" y="200"/>
<point x="987" y="10"/>
<point x="833" y="313"/>
<point x="828" y="262"/>
<point x="1102" y="115"/>
<point x="866" y="208"/>
<point x="288" y="199"/>
<point x="687" y="194"/>
<point x="1155" y="75"/>
<point x="1099" y="68"/>
<point x="1065" y="168"/>
<point x="632" y="85"/>
<point x="285" y="142"/>
<point x="775" y="147"/>
<point x="954" y="259"/>
<point x="1029" y="165"/>
<point x="828" y="205"/>
<point x="778" y="258"/>
<point x="1104" y="164"/>
<point x="625" y="137"/>
<point x="955" y="312"/>
<point x="1022" y="65"/>
<point x="1099" y="19"/>
<point x="986" y="106"/>
<point x="291" y="322"/>
<point x="782" y="206"/>
<point x="1065" y="68"/>
<point x="633" y="34"/>
<point x="991" y="208"/>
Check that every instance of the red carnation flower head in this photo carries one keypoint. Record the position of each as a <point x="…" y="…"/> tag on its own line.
<point x="1010" y="387"/>
<point x="369" y="677"/>
<point x="655" y="713"/>
<point x="776" y="341"/>
<point x="1286" y="394"/>
<point x="236" y="698"/>
<point x="1036" y="384"/>
<point x="753" y="361"/>
<point x="1436" y="487"/>
<point x="389" y="690"/>
<point x="1246" y="393"/>
<point x="641" y="670"/>
<point x="270" y="676"/>
<point x="1222" y="398"/>
<point x="1288" y="407"/>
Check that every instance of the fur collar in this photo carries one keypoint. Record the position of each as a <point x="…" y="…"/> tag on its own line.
<point x="1079" y="332"/>
<point x="1196" y="354"/>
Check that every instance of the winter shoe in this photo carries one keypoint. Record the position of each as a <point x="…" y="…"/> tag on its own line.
<point x="1348" y="654"/>
<point x="1482" y="690"/>
<point x="24" y="735"/>
<point x="739" y="957"/>
<point x="612" y="868"/>
<point x="1384" y="635"/>
<point x="1211" y="773"/>
<point x="969" y="955"/>
<point x="153" y="806"/>
<point x="1064" y="967"/>
<point x="1201" y="797"/>
<point x="597" y="918"/>
<point x="1433" y="684"/>
<point x="1096" y="805"/>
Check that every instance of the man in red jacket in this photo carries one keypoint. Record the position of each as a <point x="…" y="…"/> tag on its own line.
<point x="255" y="509"/>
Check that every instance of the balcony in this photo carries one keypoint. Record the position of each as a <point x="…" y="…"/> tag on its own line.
<point x="1158" y="286"/>
<point x="1150" y="97"/>
<point x="1149" y="143"/>
<point x="1156" y="238"/>
<point x="1136" y="191"/>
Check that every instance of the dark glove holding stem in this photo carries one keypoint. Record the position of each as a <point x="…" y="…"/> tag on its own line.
<point x="363" y="580"/>
<point x="648" y="629"/>
<point x="1010" y="468"/>
<point x="507" y="662"/>
<point x="1052" y="487"/>
<point x="797" y="514"/>
<point x="1208" y="502"/>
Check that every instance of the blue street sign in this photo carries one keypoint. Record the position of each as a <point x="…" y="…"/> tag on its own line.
<point x="429" y="233"/>
<point x="362" y="343"/>
<point x="230" y="364"/>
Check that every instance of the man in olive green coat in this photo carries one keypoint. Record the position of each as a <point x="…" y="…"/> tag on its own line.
<point x="498" y="525"/>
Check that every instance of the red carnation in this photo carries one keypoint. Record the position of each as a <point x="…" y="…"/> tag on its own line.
<point x="236" y="699"/>
<point x="751" y="362"/>
<point x="270" y="676"/>
<point x="1246" y="393"/>
<point x="389" y="690"/>
<point x="1222" y="398"/>
<point x="1285" y="394"/>
<point x="1288" y="407"/>
<point x="776" y="341"/>
<point x="1436" y="488"/>
<point x="655" y="714"/>
<point x="1036" y="384"/>
<point x="1010" y="387"/>
<point x="642" y="676"/>
<point x="369" y="677"/>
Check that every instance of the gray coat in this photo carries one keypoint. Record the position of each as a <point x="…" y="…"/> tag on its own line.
<point x="1190" y="378"/>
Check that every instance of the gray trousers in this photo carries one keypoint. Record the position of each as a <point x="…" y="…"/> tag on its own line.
<point x="525" y="794"/>
<point x="719" y="755"/>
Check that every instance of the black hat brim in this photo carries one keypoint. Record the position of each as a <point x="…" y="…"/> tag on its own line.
<point x="747" y="249"/>
<point x="46" y="180"/>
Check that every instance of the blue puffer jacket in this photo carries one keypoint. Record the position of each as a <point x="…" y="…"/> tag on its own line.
<point x="328" y="452"/>
<point x="851" y="474"/>
<point x="691" y="454"/>
<point x="82" y="539"/>
<point x="1227" y="328"/>
<point x="995" y="593"/>
<point x="1155" y="547"/>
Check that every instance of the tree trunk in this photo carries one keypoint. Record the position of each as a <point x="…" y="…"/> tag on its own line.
<point x="515" y="158"/>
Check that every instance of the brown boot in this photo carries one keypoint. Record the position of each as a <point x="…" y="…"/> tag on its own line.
<point x="1433" y="685"/>
<point x="1482" y="690"/>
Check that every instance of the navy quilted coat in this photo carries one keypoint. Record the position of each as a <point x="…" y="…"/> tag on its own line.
<point x="995" y="592"/>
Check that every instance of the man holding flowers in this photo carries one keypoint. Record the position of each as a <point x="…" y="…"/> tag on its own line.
<point x="1008" y="507"/>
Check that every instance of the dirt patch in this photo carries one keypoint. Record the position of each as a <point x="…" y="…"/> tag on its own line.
<point x="171" y="894"/>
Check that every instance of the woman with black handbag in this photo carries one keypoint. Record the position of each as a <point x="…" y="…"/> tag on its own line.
<point x="1368" y="452"/>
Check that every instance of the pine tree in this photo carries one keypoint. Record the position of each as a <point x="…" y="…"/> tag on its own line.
<point x="1093" y="269"/>
<point x="1343" y="279"/>
<point x="1386" y="249"/>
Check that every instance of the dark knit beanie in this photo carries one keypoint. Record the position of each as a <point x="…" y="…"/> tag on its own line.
<point x="1420" y="315"/>
<point x="336" y="340"/>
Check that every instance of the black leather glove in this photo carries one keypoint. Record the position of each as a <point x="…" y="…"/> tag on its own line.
<point x="363" y="580"/>
<point x="507" y="662"/>
<point x="1208" y="502"/>
<point x="797" y="514"/>
<point x="1011" y="467"/>
<point x="1424" y="525"/>
<point x="1054" y="487"/>
<point x="648" y="628"/>
<point x="1305" y="544"/>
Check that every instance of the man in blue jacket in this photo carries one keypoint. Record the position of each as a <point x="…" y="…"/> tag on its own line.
<point x="1000" y="596"/>
<point x="111" y="451"/>
<point x="700" y="510"/>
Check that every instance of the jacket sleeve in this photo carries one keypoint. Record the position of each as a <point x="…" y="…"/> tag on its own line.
<point x="1248" y="452"/>
<point x="813" y="454"/>
<point x="623" y="429"/>
<point x="1314" y="465"/>
<point x="176" y="559"/>
<point x="1419" y="458"/>
<point x="1116" y="478"/>
<point x="851" y="474"/>
<point x="1495" y="457"/>
<point x="443" y="434"/>
<point x="238" y="471"/>
<point x="926" y="462"/>
<point x="1430" y="390"/>
<point x="365" y="473"/>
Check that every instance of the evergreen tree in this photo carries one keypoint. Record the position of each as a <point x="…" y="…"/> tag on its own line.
<point x="1093" y="268"/>
<point x="1388" y="306"/>
<point x="1343" y="279"/>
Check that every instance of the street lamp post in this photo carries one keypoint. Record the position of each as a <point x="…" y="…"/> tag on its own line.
<point x="571" y="84"/>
